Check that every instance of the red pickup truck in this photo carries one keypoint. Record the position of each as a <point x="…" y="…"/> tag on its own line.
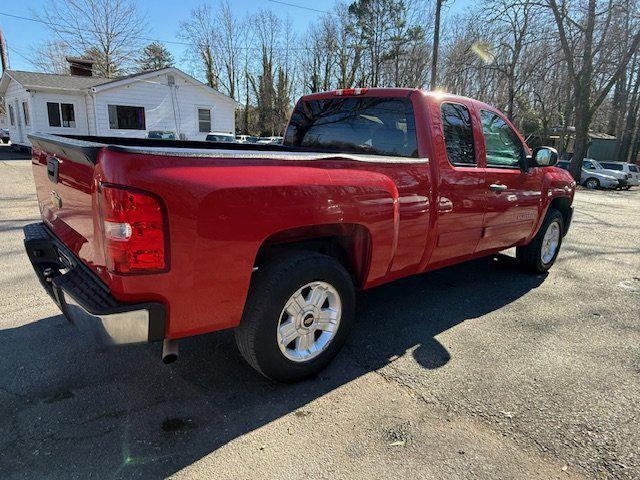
<point x="155" y="240"/>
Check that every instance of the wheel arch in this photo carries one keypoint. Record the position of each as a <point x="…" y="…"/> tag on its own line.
<point x="349" y="244"/>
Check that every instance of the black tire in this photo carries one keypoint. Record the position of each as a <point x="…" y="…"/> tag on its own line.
<point x="593" y="181"/>
<point x="530" y="256"/>
<point x="271" y="288"/>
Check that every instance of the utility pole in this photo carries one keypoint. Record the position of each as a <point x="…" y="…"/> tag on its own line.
<point x="3" y="53"/>
<point x="436" y="42"/>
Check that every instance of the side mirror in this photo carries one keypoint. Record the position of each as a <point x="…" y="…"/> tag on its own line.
<point x="545" y="157"/>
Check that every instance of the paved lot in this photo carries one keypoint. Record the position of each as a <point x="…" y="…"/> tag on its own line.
<point x="476" y="371"/>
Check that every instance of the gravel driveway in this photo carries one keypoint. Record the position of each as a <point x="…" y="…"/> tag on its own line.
<point x="475" y="371"/>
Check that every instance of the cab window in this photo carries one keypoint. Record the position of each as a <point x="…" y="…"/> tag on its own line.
<point x="504" y="148"/>
<point x="458" y="134"/>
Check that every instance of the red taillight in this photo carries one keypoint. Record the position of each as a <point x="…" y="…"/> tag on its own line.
<point x="351" y="91"/>
<point x="134" y="231"/>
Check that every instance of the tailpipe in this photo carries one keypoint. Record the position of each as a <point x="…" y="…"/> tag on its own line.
<point x="169" y="351"/>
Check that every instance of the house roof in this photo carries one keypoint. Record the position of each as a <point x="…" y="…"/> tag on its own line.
<point x="34" y="80"/>
<point x="52" y="81"/>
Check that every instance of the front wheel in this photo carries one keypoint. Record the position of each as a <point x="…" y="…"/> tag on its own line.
<point x="297" y="317"/>
<point x="592" y="183"/>
<point x="539" y="255"/>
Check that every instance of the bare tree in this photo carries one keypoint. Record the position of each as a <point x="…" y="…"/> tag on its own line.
<point x="584" y="34"/>
<point x="50" y="57"/>
<point x="108" y="29"/>
<point x="200" y="32"/>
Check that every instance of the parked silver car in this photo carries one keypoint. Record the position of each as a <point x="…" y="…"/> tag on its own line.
<point x="629" y="168"/>
<point x="595" y="166"/>
<point x="593" y="179"/>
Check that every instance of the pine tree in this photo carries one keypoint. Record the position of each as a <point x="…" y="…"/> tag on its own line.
<point x="154" y="57"/>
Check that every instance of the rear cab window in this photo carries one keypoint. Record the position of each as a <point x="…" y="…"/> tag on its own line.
<point x="371" y="125"/>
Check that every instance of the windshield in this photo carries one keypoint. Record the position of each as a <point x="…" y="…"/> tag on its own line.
<point x="383" y="126"/>
<point x="633" y="168"/>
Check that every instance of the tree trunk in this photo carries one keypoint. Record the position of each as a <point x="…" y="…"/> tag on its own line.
<point x="582" y="123"/>
<point x="436" y="45"/>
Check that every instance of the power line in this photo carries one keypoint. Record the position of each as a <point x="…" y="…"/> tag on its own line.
<point x="302" y="7"/>
<point x="57" y="28"/>
<point x="60" y="28"/>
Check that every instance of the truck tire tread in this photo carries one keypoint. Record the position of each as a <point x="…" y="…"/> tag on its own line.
<point x="268" y="283"/>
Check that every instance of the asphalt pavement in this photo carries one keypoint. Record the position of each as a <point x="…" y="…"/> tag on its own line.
<point x="475" y="371"/>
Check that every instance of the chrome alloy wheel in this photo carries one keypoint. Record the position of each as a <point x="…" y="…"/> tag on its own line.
<point x="550" y="242"/>
<point x="592" y="184"/>
<point x="309" y="321"/>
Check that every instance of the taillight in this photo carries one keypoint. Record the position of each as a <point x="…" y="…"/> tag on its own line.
<point x="350" y="91"/>
<point x="134" y="231"/>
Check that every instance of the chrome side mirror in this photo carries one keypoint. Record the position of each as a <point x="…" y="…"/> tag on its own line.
<point x="545" y="157"/>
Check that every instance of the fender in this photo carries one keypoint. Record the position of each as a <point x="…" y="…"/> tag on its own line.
<point x="556" y="183"/>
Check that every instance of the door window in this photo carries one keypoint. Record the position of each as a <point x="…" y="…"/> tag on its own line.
<point x="504" y="148"/>
<point x="588" y="165"/>
<point x="458" y="134"/>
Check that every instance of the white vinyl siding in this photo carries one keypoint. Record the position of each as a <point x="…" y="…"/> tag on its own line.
<point x="15" y="97"/>
<point x="166" y="108"/>
<point x="40" y="113"/>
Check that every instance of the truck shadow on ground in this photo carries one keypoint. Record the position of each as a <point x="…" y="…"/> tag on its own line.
<point x="69" y="409"/>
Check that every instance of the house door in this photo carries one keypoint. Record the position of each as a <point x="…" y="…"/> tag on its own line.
<point x="18" y="122"/>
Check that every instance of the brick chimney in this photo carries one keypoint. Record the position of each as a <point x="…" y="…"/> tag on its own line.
<point x="82" y="67"/>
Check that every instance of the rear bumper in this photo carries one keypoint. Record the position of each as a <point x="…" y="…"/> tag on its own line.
<point x="84" y="299"/>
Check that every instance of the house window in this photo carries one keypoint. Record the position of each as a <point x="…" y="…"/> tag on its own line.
<point x="204" y="120"/>
<point x="124" y="117"/>
<point x="12" y="118"/>
<point x="25" y="112"/>
<point x="61" y="115"/>
<point x="68" y="116"/>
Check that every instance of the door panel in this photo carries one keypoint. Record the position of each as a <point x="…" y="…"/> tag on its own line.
<point x="511" y="213"/>
<point x="461" y="201"/>
<point x="512" y="195"/>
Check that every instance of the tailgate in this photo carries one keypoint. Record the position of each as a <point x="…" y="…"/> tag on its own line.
<point x="63" y="171"/>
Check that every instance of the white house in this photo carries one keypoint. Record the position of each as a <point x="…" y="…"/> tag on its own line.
<point x="80" y="104"/>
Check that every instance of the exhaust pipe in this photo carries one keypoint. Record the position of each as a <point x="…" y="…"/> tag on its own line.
<point x="169" y="351"/>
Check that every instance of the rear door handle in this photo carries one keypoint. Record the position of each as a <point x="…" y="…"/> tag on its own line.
<point x="497" y="187"/>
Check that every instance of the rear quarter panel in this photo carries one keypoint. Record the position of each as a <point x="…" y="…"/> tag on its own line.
<point x="221" y="211"/>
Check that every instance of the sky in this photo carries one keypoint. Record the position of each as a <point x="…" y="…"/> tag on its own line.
<point x="163" y="17"/>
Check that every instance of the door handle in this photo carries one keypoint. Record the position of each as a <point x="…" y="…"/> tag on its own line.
<point x="497" y="187"/>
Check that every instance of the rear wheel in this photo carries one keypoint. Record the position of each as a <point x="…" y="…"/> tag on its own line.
<point x="592" y="183"/>
<point x="299" y="311"/>
<point x="539" y="255"/>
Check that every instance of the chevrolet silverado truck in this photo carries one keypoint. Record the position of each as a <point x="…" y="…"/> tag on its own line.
<point x="146" y="240"/>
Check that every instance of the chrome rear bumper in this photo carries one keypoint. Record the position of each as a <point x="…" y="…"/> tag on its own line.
<point x="84" y="299"/>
